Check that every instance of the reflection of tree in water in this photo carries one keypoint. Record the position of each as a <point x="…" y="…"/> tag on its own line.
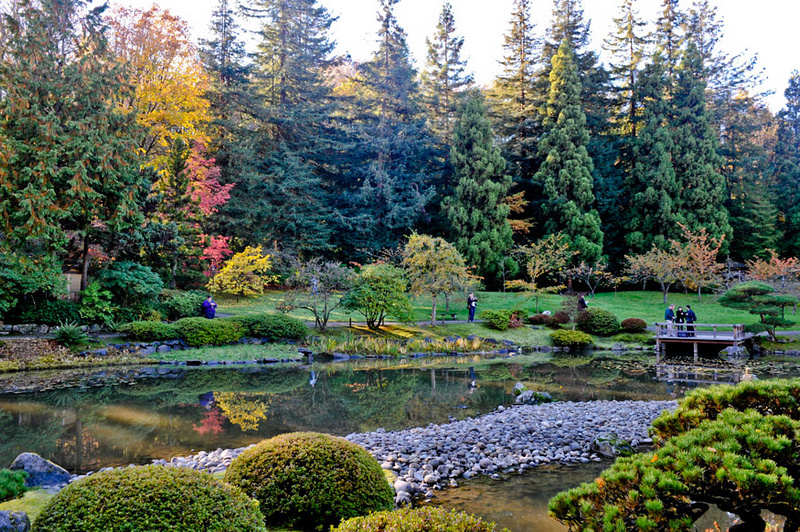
<point x="244" y="409"/>
<point x="211" y="423"/>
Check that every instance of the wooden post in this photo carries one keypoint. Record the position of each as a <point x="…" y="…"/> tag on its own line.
<point x="695" y="351"/>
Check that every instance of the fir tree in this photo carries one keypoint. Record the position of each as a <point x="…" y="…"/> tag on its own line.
<point x="444" y="77"/>
<point x="668" y="36"/>
<point x="566" y="172"/>
<point x="477" y="212"/>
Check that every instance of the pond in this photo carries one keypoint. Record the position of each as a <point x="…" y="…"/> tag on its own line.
<point x="88" y="420"/>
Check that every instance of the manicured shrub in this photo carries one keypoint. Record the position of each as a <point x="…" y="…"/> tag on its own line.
<point x="201" y="331"/>
<point x="425" y="519"/>
<point x="311" y="481"/>
<point x="272" y="326"/>
<point x="149" y="331"/>
<point x="150" y="498"/>
<point x="70" y="335"/>
<point x="633" y="325"/>
<point x="12" y="484"/>
<point x="597" y="321"/>
<point x="178" y="304"/>
<point x="565" y="338"/>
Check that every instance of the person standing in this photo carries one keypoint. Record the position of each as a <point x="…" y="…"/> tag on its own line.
<point x="209" y="308"/>
<point x="680" y="317"/>
<point x="691" y="317"/>
<point x="669" y="317"/>
<point x="582" y="304"/>
<point x="472" y="303"/>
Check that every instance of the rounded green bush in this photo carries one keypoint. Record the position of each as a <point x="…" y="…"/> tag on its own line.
<point x="201" y="331"/>
<point x="272" y="326"/>
<point x="598" y="321"/>
<point x="566" y="338"/>
<point x="149" y="331"/>
<point x="311" y="480"/>
<point x="150" y="498"/>
<point x="425" y="519"/>
<point x="633" y="325"/>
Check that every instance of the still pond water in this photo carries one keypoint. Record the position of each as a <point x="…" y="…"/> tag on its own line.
<point x="89" y="420"/>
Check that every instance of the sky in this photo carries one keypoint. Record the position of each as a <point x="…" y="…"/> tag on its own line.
<point x="766" y="28"/>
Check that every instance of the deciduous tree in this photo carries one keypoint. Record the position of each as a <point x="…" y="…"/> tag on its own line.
<point x="434" y="267"/>
<point x="378" y="292"/>
<point x="318" y="286"/>
<point x="543" y="257"/>
<point x="658" y="265"/>
<point x="246" y="273"/>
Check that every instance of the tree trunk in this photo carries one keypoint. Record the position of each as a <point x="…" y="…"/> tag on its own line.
<point x="699" y="289"/>
<point x="433" y="311"/>
<point x="85" y="260"/>
<point x="174" y="271"/>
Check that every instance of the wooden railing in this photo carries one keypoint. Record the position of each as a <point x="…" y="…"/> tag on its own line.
<point x="706" y="331"/>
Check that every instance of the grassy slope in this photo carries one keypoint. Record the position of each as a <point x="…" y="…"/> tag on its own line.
<point x="648" y="306"/>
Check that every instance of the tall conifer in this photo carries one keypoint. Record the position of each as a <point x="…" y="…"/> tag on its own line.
<point x="477" y="212"/>
<point x="566" y="172"/>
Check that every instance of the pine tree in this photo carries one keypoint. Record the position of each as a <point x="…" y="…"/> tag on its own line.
<point x="627" y="46"/>
<point x="477" y="211"/>
<point x="69" y="153"/>
<point x="566" y="172"/>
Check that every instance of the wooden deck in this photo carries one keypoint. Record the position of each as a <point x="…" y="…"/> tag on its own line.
<point x="699" y="333"/>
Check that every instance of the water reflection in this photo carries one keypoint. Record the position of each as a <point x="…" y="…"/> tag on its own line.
<point x="117" y="417"/>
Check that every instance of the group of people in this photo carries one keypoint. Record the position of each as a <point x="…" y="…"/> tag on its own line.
<point x="680" y="317"/>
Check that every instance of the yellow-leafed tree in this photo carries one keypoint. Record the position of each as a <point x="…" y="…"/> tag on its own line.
<point x="169" y="100"/>
<point x="245" y="274"/>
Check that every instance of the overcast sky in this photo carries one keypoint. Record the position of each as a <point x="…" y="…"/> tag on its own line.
<point x="768" y="28"/>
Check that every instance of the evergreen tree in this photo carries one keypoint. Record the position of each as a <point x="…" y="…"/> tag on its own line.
<point x="696" y="161"/>
<point x="69" y="153"/>
<point x="668" y="36"/>
<point x="513" y="108"/>
<point x="392" y="146"/>
<point x="785" y="166"/>
<point x="745" y="145"/>
<point x="443" y="83"/>
<point x="566" y="172"/>
<point x="444" y="78"/>
<point x="280" y="193"/>
<point x="653" y="213"/>
<point x="627" y="46"/>
<point x="477" y="212"/>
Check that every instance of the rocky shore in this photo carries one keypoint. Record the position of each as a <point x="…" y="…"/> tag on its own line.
<point x="510" y="439"/>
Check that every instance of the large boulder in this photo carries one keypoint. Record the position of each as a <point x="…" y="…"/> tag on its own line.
<point x="41" y="472"/>
<point x="14" y="522"/>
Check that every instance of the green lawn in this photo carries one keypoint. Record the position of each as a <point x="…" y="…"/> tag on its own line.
<point x="648" y="306"/>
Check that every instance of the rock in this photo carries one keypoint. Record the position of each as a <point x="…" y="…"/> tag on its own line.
<point x="41" y="472"/>
<point x="14" y="522"/>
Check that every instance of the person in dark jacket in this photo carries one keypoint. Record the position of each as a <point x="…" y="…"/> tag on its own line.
<point x="691" y="317"/>
<point x="209" y="307"/>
